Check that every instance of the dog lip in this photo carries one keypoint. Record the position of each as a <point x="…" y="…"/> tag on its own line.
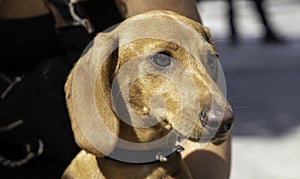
<point x="217" y="137"/>
<point x="203" y="139"/>
<point x="220" y="136"/>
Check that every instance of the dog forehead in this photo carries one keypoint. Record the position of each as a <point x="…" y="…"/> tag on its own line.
<point x="163" y="25"/>
<point x="148" y="47"/>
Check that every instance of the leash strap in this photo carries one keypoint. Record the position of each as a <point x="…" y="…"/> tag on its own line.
<point x="9" y="83"/>
<point x="72" y="13"/>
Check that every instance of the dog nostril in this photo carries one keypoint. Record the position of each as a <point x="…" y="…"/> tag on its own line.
<point x="227" y="122"/>
<point x="226" y="127"/>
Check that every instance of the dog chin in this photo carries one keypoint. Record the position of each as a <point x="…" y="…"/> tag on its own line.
<point x="216" y="139"/>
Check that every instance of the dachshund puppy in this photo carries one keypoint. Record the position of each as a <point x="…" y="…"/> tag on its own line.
<point x="141" y="89"/>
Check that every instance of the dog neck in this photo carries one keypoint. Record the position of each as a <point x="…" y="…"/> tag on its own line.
<point x="159" y="169"/>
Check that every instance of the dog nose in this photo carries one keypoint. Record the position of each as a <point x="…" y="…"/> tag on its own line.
<point x="226" y="122"/>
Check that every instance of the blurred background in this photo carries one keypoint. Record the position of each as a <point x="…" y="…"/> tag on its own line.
<point x="263" y="83"/>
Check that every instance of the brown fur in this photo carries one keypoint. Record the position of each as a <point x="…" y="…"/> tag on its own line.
<point x="90" y="163"/>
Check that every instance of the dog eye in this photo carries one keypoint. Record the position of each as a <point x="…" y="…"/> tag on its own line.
<point x="161" y="60"/>
<point x="211" y="63"/>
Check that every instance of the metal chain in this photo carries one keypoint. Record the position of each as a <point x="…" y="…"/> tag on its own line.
<point x="30" y="155"/>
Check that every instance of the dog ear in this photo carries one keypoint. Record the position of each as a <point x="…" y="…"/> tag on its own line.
<point x="212" y="65"/>
<point x="88" y="95"/>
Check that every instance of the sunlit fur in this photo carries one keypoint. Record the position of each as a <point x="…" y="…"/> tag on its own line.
<point x="90" y="163"/>
<point x="150" y="85"/>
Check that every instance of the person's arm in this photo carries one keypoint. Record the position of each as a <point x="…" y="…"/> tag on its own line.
<point x="212" y="161"/>
<point x="130" y="8"/>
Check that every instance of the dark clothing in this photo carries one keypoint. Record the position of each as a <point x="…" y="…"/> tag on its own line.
<point x="24" y="42"/>
<point x="33" y="49"/>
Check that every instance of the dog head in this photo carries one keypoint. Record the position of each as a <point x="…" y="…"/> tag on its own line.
<point x="155" y="73"/>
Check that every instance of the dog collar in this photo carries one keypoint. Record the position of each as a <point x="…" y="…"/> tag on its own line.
<point x="149" y="156"/>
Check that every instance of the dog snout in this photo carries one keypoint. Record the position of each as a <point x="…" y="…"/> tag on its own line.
<point x="226" y="122"/>
<point x="225" y="125"/>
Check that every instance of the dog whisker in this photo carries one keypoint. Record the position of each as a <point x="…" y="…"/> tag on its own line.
<point x="217" y="41"/>
<point x="231" y="98"/>
<point x="239" y="107"/>
<point x="235" y="107"/>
